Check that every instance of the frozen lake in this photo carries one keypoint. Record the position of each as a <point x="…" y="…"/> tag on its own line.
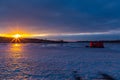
<point x="57" y="61"/>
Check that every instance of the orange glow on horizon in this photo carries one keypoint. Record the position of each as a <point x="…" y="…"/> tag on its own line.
<point x="17" y="35"/>
<point x="17" y="31"/>
<point x="21" y="35"/>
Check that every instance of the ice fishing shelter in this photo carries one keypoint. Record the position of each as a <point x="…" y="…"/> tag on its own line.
<point x="96" y="44"/>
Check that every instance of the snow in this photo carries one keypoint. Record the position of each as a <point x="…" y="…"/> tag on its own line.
<point x="57" y="61"/>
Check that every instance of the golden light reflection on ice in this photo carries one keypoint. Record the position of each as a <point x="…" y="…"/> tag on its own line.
<point x="15" y="62"/>
<point x="16" y="50"/>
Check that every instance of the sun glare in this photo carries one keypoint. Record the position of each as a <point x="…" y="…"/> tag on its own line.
<point x="17" y="36"/>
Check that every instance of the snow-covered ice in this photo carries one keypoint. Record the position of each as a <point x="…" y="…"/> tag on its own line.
<point x="57" y="61"/>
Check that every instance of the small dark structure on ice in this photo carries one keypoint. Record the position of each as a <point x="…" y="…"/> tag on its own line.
<point x="96" y="45"/>
<point x="76" y="76"/>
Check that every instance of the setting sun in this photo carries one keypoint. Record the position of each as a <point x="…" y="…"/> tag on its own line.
<point x="17" y="36"/>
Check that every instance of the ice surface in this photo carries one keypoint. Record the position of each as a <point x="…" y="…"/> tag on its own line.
<point x="57" y="61"/>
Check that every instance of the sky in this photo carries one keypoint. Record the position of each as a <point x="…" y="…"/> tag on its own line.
<point x="62" y="19"/>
